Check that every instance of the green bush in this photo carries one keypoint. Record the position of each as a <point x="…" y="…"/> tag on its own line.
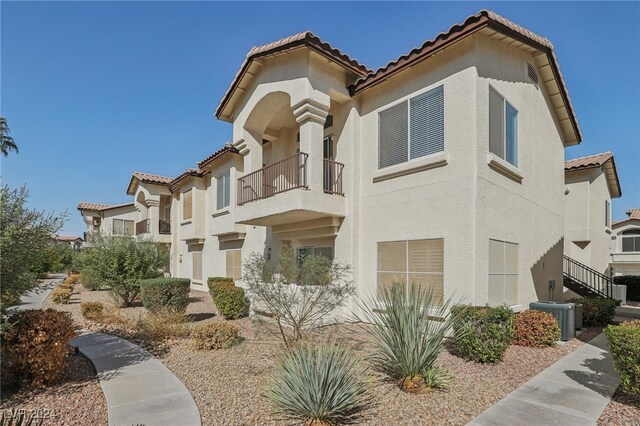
<point x="215" y="283"/>
<point x="596" y="311"/>
<point x="624" y="341"/>
<point x="537" y="329"/>
<point x="165" y="294"/>
<point x="92" y="310"/>
<point x="408" y="336"/>
<point x="89" y="280"/>
<point x="633" y="286"/>
<point x="319" y="385"/>
<point x="35" y="347"/>
<point x="482" y="333"/>
<point x="231" y="302"/>
<point x="214" y="335"/>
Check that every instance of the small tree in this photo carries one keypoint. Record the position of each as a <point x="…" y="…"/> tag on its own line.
<point x="25" y="237"/>
<point x="119" y="263"/>
<point x="6" y="141"/>
<point x="298" y="293"/>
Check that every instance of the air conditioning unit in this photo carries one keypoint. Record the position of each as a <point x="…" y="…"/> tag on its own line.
<point x="565" y="314"/>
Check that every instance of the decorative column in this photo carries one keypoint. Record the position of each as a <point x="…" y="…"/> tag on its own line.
<point x="311" y="115"/>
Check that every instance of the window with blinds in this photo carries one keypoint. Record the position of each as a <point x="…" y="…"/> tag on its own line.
<point x="222" y="190"/>
<point x="234" y="264"/>
<point x="503" y="273"/>
<point x="411" y="129"/>
<point x="187" y="204"/>
<point x="196" y="265"/>
<point x="503" y="127"/>
<point x="418" y="262"/>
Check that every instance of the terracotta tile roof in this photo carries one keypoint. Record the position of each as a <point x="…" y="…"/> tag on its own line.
<point x="605" y="160"/>
<point x="596" y="160"/>
<point x="187" y="173"/>
<point x="472" y="24"/>
<point x="227" y="148"/>
<point x="151" y="178"/>
<point x="633" y="213"/>
<point x="307" y="39"/>
<point x="66" y="237"/>
<point x="101" y="207"/>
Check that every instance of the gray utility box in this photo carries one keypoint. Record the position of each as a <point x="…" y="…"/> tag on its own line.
<point x="565" y="314"/>
<point x="579" y="314"/>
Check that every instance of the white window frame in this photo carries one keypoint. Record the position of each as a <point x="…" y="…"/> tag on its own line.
<point x="408" y="102"/>
<point x="505" y="101"/>
<point x="226" y="190"/>
<point x="124" y="227"/>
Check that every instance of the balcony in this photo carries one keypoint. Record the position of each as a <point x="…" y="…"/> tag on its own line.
<point x="164" y="227"/>
<point x="142" y="227"/>
<point x="280" y="193"/>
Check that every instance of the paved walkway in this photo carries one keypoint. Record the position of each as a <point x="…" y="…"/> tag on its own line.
<point x="573" y="391"/>
<point x="139" y="389"/>
<point x="35" y="298"/>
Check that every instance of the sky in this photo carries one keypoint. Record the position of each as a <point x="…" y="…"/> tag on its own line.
<point x="93" y="91"/>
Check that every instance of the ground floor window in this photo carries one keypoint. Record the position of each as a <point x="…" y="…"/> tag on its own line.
<point x="503" y="273"/>
<point x="234" y="264"/>
<point x="420" y="262"/>
<point x="302" y="252"/>
<point x="196" y="265"/>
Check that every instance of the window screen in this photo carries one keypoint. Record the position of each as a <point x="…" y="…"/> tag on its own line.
<point x="394" y="134"/>
<point x="503" y="273"/>
<point x="234" y="264"/>
<point x="607" y="214"/>
<point x="427" y="123"/>
<point x="222" y="189"/>
<point x="187" y="202"/>
<point x="503" y="127"/>
<point x="196" y="264"/>
<point x="118" y="227"/>
<point x="418" y="262"/>
<point x="128" y="227"/>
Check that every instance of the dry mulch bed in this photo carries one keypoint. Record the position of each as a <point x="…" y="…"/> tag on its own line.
<point x="623" y="410"/>
<point x="227" y="385"/>
<point x="76" y="400"/>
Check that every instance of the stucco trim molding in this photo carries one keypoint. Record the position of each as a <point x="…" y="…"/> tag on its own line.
<point x="415" y="166"/>
<point x="504" y="168"/>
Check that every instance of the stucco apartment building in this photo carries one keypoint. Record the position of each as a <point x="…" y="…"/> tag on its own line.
<point x="115" y="219"/>
<point x="625" y="254"/>
<point x="445" y="167"/>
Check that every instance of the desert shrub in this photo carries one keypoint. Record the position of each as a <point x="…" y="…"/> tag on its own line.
<point x="89" y="280"/>
<point x="161" y="325"/>
<point x="537" y="329"/>
<point x="407" y="330"/>
<point x="25" y="240"/>
<point x="596" y="311"/>
<point x="165" y="294"/>
<point x="35" y="347"/>
<point x="61" y="295"/>
<point x="214" y="335"/>
<point x="116" y="317"/>
<point x="624" y="340"/>
<point x="633" y="286"/>
<point x="482" y="333"/>
<point x="217" y="283"/>
<point x="92" y="310"/>
<point x="319" y="385"/>
<point x="231" y="302"/>
<point x="72" y="279"/>
<point x="119" y="263"/>
<point x="298" y="293"/>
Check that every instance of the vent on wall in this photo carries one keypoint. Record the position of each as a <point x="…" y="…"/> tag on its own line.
<point x="533" y="74"/>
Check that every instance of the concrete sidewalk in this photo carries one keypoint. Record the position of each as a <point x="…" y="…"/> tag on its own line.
<point x="139" y="389"/>
<point x="35" y="298"/>
<point x="573" y="391"/>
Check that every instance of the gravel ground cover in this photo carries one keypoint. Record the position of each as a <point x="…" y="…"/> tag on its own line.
<point x="623" y="410"/>
<point x="76" y="400"/>
<point x="228" y="385"/>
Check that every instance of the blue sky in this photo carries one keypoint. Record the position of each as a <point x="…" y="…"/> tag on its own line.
<point x="95" y="90"/>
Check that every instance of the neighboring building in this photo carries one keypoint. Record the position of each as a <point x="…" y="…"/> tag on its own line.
<point x="152" y="200"/>
<point x="625" y="255"/>
<point x="72" y="241"/>
<point x="591" y="183"/>
<point x="106" y="219"/>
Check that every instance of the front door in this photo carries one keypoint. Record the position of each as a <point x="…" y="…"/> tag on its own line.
<point x="328" y="165"/>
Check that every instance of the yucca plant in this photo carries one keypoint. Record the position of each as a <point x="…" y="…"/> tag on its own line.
<point x="319" y="385"/>
<point x="408" y="330"/>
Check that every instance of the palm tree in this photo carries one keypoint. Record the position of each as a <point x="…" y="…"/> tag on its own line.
<point x="6" y="142"/>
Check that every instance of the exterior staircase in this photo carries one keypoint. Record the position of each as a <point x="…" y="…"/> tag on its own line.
<point x="585" y="281"/>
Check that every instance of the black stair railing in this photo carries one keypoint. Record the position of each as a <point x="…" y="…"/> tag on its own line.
<point x="587" y="277"/>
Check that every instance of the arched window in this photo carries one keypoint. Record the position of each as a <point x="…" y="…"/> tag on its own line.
<point x="631" y="240"/>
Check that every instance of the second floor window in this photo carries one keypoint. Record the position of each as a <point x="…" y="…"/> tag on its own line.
<point x="631" y="241"/>
<point x="222" y="188"/>
<point x="187" y="202"/>
<point x="503" y="128"/>
<point x="411" y="129"/>
<point x="607" y="213"/>
<point x="122" y="227"/>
